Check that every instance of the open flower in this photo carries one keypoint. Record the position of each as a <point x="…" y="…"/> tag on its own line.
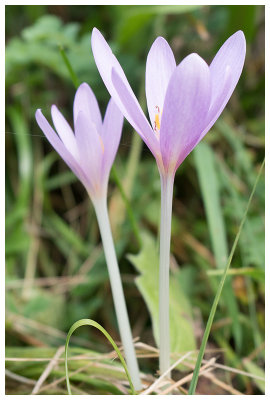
<point x="183" y="101"/>
<point x="89" y="152"/>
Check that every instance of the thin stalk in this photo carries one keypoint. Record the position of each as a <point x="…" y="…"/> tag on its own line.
<point x="117" y="291"/>
<point x="164" y="269"/>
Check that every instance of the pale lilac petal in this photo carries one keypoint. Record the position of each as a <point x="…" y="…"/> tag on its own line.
<point x="159" y="68"/>
<point x="185" y="108"/>
<point x="135" y="116"/>
<point x="64" y="131"/>
<point x="111" y="134"/>
<point x="86" y="101"/>
<point x="90" y="148"/>
<point x="106" y="62"/>
<point x="225" y="71"/>
<point x="60" y="148"/>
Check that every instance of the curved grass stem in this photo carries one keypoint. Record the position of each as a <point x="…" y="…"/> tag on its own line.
<point x="93" y="323"/>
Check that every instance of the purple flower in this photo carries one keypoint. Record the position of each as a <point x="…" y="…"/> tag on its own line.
<point x="89" y="152"/>
<point x="183" y="101"/>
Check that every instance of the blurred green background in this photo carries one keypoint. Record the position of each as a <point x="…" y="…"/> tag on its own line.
<point x="55" y="268"/>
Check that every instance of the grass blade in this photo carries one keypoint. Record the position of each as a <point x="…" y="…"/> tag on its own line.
<point x="93" y="323"/>
<point x="72" y="74"/>
<point x="194" y="380"/>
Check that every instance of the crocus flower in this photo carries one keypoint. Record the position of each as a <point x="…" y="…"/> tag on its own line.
<point x="183" y="101"/>
<point x="89" y="152"/>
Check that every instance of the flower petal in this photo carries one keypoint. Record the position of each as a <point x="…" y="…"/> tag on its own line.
<point x="135" y="115"/>
<point x="160" y="65"/>
<point x="60" y="148"/>
<point x="86" y="101"/>
<point x="118" y="87"/>
<point x="185" y="108"/>
<point x="90" y="148"/>
<point x="111" y="134"/>
<point x="64" y="131"/>
<point x="105" y="60"/>
<point x="225" y="71"/>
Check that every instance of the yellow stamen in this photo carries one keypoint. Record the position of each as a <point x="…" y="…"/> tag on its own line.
<point x="157" y="122"/>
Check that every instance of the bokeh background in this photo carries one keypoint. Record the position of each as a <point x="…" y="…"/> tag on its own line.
<point x="55" y="268"/>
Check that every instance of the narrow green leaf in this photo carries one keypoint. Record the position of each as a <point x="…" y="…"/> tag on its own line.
<point x="206" y="169"/>
<point x="72" y="74"/>
<point x="205" y="165"/>
<point x="24" y="154"/>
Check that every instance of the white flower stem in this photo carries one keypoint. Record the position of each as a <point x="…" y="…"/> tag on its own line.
<point x="117" y="291"/>
<point x="164" y="269"/>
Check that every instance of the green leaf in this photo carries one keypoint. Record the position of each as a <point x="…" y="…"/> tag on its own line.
<point x="181" y="329"/>
<point x="24" y="154"/>
<point x="206" y="169"/>
<point x="136" y="18"/>
<point x="242" y="17"/>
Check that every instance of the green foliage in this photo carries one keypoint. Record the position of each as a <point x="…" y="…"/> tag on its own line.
<point x="195" y="376"/>
<point x="135" y="20"/>
<point x="181" y="327"/>
<point x="39" y="44"/>
<point x="206" y="169"/>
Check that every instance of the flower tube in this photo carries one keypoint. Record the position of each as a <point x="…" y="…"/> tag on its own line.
<point x="89" y="153"/>
<point x="183" y="101"/>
